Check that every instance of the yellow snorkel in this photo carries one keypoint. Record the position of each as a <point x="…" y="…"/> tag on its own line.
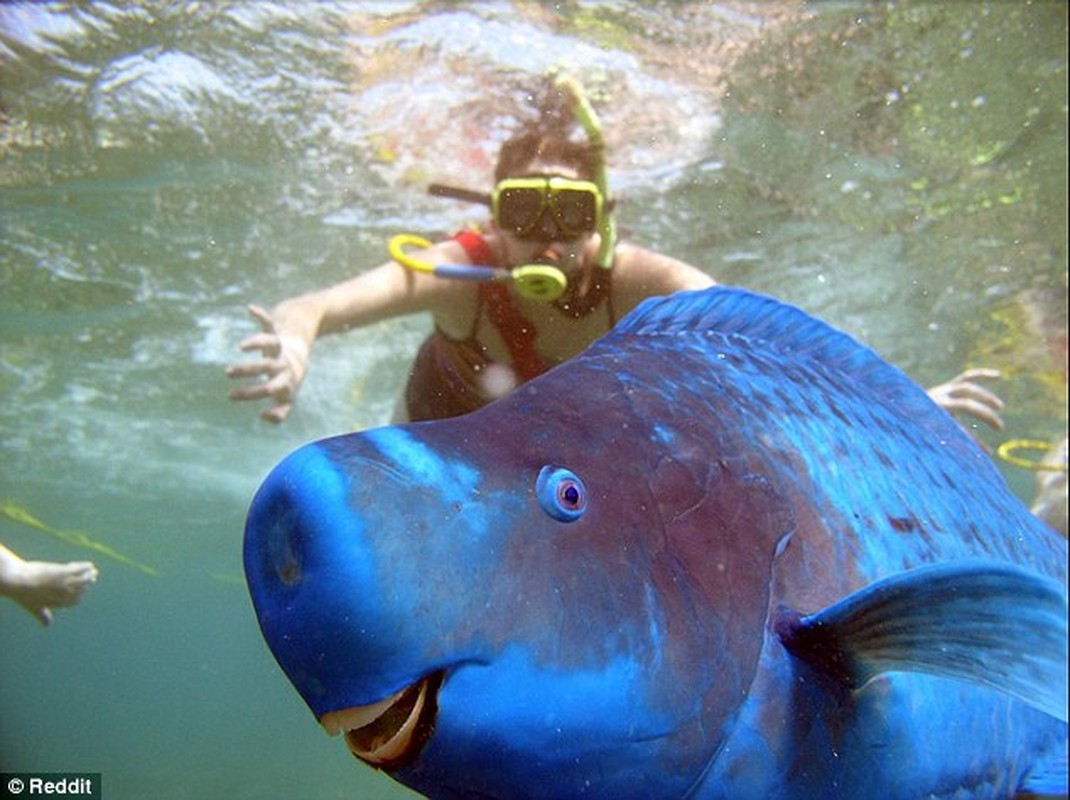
<point x="592" y="127"/>
<point x="533" y="281"/>
<point x="1009" y="452"/>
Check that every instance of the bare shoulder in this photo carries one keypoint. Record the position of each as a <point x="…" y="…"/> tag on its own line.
<point x="639" y="273"/>
<point x="641" y="265"/>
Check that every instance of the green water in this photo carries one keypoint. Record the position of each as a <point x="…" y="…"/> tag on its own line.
<point x="899" y="170"/>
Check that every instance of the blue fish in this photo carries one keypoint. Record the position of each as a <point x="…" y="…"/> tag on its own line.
<point x="727" y="552"/>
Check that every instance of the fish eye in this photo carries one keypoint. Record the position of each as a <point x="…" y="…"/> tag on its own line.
<point x="561" y="493"/>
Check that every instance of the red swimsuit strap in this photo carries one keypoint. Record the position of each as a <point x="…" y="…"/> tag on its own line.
<point x="476" y="248"/>
<point x="516" y="331"/>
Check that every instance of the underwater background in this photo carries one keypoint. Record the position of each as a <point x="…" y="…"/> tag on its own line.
<point x="897" y="169"/>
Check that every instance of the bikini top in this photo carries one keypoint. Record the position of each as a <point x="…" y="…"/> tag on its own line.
<point x="516" y="330"/>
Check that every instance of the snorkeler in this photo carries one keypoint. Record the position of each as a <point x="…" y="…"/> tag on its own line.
<point x="40" y="586"/>
<point x="545" y="279"/>
<point x="550" y="236"/>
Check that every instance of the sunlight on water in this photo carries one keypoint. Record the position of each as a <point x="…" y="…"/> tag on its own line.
<point x="900" y="172"/>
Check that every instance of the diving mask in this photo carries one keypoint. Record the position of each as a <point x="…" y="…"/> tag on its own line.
<point x="547" y="208"/>
<point x="535" y="209"/>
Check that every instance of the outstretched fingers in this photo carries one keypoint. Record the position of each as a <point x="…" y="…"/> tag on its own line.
<point x="978" y="409"/>
<point x="266" y="343"/>
<point x="281" y="368"/>
<point x="250" y="369"/>
<point x="277" y="413"/>
<point x="277" y="386"/>
<point x="963" y="395"/>
<point x="267" y="323"/>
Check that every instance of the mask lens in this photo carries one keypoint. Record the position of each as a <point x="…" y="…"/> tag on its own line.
<point x="519" y="208"/>
<point x="576" y="211"/>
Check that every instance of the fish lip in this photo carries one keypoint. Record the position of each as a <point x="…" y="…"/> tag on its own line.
<point x="391" y="733"/>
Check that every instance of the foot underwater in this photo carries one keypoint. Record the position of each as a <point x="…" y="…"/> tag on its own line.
<point x="726" y="552"/>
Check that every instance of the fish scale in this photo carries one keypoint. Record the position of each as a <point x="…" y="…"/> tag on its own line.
<point x="882" y="436"/>
<point x="726" y="552"/>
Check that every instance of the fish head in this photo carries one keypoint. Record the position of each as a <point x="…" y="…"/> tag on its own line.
<point x="517" y="597"/>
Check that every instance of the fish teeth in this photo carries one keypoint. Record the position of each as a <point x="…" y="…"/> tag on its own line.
<point x="382" y="752"/>
<point x="348" y="719"/>
<point x="382" y="734"/>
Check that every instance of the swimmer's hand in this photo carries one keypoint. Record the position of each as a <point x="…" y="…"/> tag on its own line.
<point x="283" y="365"/>
<point x="40" y="586"/>
<point x="962" y="395"/>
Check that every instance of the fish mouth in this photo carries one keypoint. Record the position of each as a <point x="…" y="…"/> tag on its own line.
<point x="391" y="733"/>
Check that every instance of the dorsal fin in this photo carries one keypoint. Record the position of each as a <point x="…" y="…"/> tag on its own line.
<point x="784" y="328"/>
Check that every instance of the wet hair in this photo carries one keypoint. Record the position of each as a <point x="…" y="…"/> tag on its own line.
<point x="550" y="134"/>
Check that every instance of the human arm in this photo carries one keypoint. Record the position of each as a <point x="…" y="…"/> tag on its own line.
<point x="40" y="586"/>
<point x="289" y="330"/>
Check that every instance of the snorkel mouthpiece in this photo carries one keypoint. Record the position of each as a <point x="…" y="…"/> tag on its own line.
<point x="539" y="282"/>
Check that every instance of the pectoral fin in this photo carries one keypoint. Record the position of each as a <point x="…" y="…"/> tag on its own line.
<point x="990" y="624"/>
